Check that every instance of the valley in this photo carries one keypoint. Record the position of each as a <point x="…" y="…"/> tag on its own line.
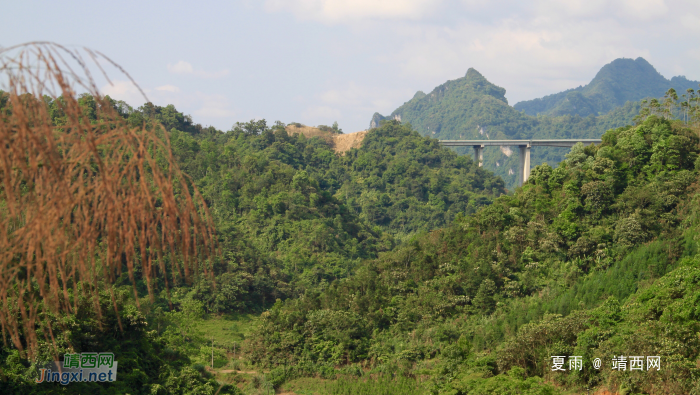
<point x="382" y="262"/>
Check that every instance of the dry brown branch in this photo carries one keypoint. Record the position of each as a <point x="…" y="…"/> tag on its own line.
<point x="82" y="201"/>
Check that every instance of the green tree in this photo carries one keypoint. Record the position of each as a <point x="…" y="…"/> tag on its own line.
<point x="484" y="300"/>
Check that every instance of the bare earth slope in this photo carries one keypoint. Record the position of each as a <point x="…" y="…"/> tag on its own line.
<point x="339" y="142"/>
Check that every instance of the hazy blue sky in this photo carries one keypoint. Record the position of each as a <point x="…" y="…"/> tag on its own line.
<point x="318" y="61"/>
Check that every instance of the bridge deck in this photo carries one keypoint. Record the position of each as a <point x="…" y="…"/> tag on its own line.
<point x="525" y="143"/>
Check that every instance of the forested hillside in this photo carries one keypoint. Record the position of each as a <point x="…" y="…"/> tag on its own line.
<point x="618" y="82"/>
<point x="292" y="216"/>
<point x="596" y="258"/>
<point x="401" y="266"/>
<point x="472" y="108"/>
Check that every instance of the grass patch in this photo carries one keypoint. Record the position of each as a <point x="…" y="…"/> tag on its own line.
<point x="227" y="330"/>
<point x="354" y="386"/>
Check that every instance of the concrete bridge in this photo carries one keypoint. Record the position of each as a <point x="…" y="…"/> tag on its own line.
<point x="524" y="145"/>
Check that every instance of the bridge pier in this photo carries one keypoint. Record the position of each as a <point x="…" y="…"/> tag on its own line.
<point x="524" y="145"/>
<point x="524" y="171"/>
<point x="479" y="154"/>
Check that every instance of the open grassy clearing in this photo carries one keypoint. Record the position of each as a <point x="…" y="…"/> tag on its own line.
<point x="227" y="330"/>
<point x="352" y="386"/>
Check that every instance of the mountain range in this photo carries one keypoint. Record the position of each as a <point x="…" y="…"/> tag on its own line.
<point x="618" y="82"/>
<point x="471" y="107"/>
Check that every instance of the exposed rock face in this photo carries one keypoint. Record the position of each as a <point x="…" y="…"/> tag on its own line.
<point x="506" y="151"/>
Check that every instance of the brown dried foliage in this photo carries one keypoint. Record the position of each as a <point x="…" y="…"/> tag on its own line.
<point x="82" y="201"/>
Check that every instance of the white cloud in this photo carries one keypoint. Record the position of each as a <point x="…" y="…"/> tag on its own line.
<point x="214" y="106"/>
<point x="366" y="97"/>
<point x="691" y="22"/>
<point x="185" y="68"/>
<point x="530" y="55"/>
<point x="577" y="8"/>
<point x="214" y="112"/>
<point x="324" y="113"/>
<point x="181" y="67"/>
<point x="530" y="48"/>
<point x="694" y="54"/>
<point x="168" y="88"/>
<point x="126" y="91"/>
<point x="645" y="9"/>
<point x="200" y="104"/>
<point x="352" y="94"/>
<point x="345" y="10"/>
<point x="351" y="104"/>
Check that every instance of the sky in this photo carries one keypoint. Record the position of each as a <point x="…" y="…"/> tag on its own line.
<point x="320" y="61"/>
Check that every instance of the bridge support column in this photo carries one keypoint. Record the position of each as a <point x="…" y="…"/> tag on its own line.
<point x="524" y="172"/>
<point x="479" y="154"/>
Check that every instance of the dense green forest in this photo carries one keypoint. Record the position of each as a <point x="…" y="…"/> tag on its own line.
<point x="472" y="108"/>
<point x="294" y="216"/>
<point x="597" y="258"/>
<point x="402" y="266"/>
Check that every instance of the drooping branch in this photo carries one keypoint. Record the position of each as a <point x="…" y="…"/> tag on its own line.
<point x="81" y="201"/>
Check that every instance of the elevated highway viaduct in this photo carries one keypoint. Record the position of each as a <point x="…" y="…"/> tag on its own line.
<point x="523" y="145"/>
